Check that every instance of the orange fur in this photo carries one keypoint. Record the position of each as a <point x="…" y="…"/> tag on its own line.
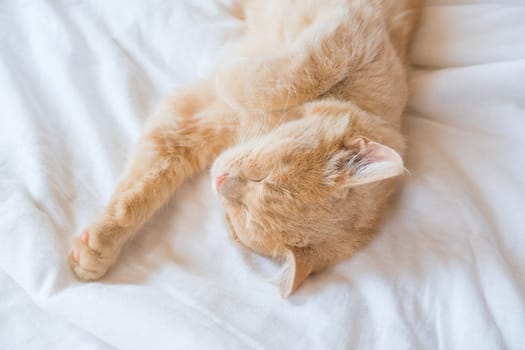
<point x="303" y="124"/>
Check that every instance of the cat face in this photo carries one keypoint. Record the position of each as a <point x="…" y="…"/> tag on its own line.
<point x="291" y="194"/>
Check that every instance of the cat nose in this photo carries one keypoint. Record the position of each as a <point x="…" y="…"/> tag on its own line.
<point x="219" y="180"/>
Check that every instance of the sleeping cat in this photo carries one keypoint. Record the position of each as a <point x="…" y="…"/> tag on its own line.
<point x="302" y="126"/>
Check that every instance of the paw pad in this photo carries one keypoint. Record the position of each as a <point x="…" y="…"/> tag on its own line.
<point x="84" y="237"/>
<point x="75" y="254"/>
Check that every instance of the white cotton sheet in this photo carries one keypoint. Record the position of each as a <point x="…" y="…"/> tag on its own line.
<point x="78" y="78"/>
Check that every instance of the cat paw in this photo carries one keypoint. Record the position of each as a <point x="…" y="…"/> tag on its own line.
<point x="90" y="260"/>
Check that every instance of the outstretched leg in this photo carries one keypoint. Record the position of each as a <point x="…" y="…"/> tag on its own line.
<point x="402" y="17"/>
<point x="192" y="128"/>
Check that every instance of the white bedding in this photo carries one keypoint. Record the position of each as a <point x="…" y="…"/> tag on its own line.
<point x="78" y="78"/>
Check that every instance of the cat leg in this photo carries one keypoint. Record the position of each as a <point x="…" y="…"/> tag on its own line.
<point x="402" y="18"/>
<point x="179" y="141"/>
<point x="325" y="54"/>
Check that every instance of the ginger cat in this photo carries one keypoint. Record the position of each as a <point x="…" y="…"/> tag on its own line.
<point x="303" y="127"/>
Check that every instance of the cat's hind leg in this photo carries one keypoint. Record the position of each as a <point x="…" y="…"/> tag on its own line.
<point x="182" y="139"/>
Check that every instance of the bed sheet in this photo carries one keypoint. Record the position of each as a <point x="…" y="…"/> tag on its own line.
<point x="78" y="78"/>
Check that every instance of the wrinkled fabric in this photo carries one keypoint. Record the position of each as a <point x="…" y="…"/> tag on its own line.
<point x="78" y="79"/>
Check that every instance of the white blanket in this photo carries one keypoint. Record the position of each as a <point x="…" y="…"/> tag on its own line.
<point x="78" y="79"/>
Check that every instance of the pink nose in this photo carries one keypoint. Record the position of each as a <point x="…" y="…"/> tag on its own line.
<point x="219" y="180"/>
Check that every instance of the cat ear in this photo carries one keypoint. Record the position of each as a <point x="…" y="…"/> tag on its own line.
<point x="297" y="268"/>
<point x="364" y="161"/>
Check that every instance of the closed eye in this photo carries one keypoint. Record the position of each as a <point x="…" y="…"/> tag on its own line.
<point x="261" y="179"/>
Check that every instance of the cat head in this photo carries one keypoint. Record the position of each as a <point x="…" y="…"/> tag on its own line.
<point x="310" y="191"/>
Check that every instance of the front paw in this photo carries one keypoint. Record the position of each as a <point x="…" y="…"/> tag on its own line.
<point x="89" y="259"/>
